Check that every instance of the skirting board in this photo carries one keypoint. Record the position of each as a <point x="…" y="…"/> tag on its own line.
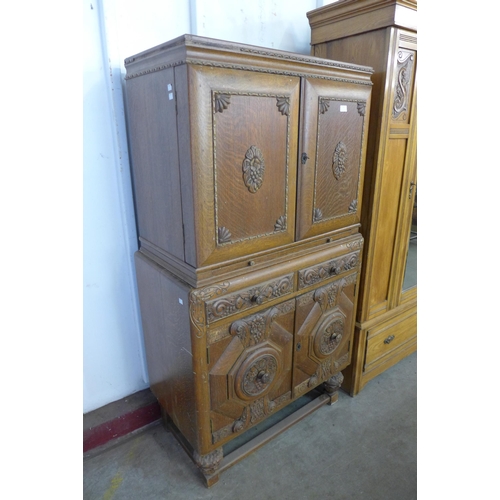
<point x="117" y="419"/>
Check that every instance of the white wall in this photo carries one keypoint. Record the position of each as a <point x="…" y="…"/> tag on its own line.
<point x="113" y="355"/>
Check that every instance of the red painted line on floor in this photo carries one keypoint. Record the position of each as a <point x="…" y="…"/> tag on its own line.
<point x="120" y="426"/>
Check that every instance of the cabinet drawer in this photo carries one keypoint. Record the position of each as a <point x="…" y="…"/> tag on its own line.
<point x="383" y="340"/>
<point x="248" y="298"/>
<point x="321" y="272"/>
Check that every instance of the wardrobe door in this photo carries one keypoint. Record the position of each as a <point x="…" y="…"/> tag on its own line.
<point x="245" y="128"/>
<point x="332" y="155"/>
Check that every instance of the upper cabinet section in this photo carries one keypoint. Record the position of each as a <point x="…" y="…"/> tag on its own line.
<point x="238" y="150"/>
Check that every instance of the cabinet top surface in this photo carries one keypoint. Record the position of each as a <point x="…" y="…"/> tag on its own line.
<point x="192" y="49"/>
<point x="345" y="9"/>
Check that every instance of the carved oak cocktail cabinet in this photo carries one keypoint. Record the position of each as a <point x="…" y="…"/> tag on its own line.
<point x="248" y="172"/>
<point x="382" y="34"/>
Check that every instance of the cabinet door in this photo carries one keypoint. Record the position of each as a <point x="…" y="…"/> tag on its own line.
<point x="332" y="156"/>
<point x="244" y="128"/>
<point x="250" y="369"/>
<point x="324" y="324"/>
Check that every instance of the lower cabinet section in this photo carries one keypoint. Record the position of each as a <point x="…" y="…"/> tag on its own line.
<point x="380" y="346"/>
<point x="224" y="358"/>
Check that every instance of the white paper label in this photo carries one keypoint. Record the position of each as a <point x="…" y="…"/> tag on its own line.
<point x="180" y="302"/>
<point x="343" y="108"/>
<point x="170" y="96"/>
<point x="169" y="86"/>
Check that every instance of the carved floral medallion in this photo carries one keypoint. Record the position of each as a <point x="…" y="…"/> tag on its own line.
<point x="339" y="162"/>
<point x="259" y="375"/>
<point x="253" y="169"/>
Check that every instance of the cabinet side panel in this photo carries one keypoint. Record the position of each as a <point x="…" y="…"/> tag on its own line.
<point x="165" y="320"/>
<point x="152" y="126"/>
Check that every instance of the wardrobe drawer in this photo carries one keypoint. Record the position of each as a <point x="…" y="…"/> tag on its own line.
<point x="248" y="298"/>
<point x="387" y="338"/>
<point x="334" y="267"/>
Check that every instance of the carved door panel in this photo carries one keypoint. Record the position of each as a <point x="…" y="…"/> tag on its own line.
<point x="324" y="326"/>
<point x="250" y="372"/>
<point x="247" y="200"/>
<point x="333" y="144"/>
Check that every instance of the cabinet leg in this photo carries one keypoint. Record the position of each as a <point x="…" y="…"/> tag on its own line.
<point x="209" y="464"/>
<point x="332" y="386"/>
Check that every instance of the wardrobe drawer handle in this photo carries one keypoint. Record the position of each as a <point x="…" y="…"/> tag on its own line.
<point x="389" y="339"/>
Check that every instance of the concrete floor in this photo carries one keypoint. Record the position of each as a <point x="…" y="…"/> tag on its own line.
<point x="360" y="448"/>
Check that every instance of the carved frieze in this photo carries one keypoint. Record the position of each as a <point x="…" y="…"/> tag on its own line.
<point x="231" y="304"/>
<point x="316" y="274"/>
<point x="253" y="169"/>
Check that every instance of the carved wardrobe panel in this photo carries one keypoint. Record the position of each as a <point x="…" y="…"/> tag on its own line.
<point x="382" y="34"/>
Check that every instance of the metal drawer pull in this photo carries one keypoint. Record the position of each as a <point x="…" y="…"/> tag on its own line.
<point x="389" y="339"/>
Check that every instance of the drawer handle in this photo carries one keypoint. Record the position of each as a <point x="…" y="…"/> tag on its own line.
<point x="389" y="339"/>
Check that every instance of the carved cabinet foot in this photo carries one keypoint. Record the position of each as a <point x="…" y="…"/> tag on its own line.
<point x="332" y="386"/>
<point x="209" y="464"/>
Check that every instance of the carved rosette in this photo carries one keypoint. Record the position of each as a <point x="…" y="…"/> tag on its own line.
<point x="323" y="106"/>
<point x="404" y="76"/>
<point x="283" y="104"/>
<point x="330" y="338"/>
<point x="353" y="207"/>
<point x="280" y="224"/>
<point x="253" y="169"/>
<point x="339" y="162"/>
<point x="259" y="375"/>
<point x="209" y="463"/>
<point x="223" y="235"/>
<point x="222" y="102"/>
<point x="361" y="108"/>
<point x="317" y="215"/>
